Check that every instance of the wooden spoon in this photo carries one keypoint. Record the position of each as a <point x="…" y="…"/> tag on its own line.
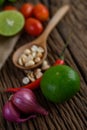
<point x="42" y="40"/>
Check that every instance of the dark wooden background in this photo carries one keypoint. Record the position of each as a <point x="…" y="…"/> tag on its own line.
<point x="71" y="115"/>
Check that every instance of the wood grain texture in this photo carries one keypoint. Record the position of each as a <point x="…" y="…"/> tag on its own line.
<point x="71" y="115"/>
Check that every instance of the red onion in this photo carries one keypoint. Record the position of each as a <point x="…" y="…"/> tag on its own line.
<point x="25" y="100"/>
<point x="11" y="113"/>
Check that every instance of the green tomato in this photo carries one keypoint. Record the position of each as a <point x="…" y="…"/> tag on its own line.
<point x="2" y="2"/>
<point x="60" y="83"/>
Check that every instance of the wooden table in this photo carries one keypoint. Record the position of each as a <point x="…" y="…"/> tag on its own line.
<point x="71" y="115"/>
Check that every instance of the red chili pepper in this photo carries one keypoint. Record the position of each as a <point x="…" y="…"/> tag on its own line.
<point x="32" y="86"/>
<point x="59" y="62"/>
<point x="36" y="83"/>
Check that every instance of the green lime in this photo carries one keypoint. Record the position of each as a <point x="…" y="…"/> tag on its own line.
<point x="60" y="83"/>
<point x="11" y="22"/>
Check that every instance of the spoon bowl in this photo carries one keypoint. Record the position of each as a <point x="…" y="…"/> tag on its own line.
<point x="20" y="51"/>
<point x="41" y="40"/>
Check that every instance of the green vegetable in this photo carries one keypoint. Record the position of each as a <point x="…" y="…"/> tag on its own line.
<point x="60" y="83"/>
<point x="11" y="22"/>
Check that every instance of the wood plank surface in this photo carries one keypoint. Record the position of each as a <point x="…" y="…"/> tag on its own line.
<point x="71" y="115"/>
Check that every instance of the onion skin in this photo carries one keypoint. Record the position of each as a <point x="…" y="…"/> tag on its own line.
<point x="22" y="102"/>
<point x="25" y="100"/>
<point x="11" y="113"/>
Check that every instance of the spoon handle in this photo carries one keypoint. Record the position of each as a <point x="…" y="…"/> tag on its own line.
<point x="53" y="22"/>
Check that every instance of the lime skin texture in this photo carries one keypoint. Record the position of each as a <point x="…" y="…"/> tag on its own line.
<point x="60" y="83"/>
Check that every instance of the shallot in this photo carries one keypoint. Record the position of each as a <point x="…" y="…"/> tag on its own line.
<point x="22" y="103"/>
<point x="12" y="114"/>
<point x="25" y="100"/>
